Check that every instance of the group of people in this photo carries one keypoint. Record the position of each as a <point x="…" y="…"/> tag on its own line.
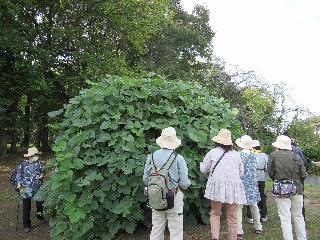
<point x="235" y="179"/>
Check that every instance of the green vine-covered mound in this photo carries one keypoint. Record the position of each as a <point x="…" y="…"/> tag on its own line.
<point x="96" y="188"/>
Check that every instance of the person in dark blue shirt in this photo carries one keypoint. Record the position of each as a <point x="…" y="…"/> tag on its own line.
<point x="30" y="175"/>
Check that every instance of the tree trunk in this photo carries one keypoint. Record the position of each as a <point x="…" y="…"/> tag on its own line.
<point x="3" y="141"/>
<point x="27" y="115"/>
<point x="14" y="140"/>
<point x="45" y="135"/>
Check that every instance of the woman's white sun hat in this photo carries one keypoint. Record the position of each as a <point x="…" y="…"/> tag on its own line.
<point x="223" y="137"/>
<point x="245" y="142"/>
<point x="32" y="151"/>
<point x="168" y="139"/>
<point x="255" y="143"/>
<point x="283" y="142"/>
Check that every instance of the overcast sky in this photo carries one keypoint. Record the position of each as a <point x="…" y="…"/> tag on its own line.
<point x="278" y="39"/>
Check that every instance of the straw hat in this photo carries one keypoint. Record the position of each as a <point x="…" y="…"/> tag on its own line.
<point x="223" y="137"/>
<point x="32" y="151"/>
<point x="283" y="142"/>
<point x="168" y="139"/>
<point x="245" y="142"/>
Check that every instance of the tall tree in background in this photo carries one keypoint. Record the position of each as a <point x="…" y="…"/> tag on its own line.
<point x="50" y="48"/>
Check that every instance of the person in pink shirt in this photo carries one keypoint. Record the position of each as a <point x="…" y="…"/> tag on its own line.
<point x="224" y="185"/>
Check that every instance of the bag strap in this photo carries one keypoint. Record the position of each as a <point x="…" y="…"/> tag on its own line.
<point x="218" y="162"/>
<point x="168" y="164"/>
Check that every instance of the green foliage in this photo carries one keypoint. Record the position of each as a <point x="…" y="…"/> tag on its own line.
<point x="312" y="153"/>
<point x="96" y="188"/>
<point x="304" y="131"/>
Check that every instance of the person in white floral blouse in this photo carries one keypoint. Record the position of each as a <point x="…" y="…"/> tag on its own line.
<point x="250" y="183"/>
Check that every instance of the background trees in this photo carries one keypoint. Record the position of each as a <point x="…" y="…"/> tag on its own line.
<point x="49" y="48"/>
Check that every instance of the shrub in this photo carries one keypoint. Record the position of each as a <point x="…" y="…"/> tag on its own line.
<point x="312" y="153"/>
<point x="96" y="189"/>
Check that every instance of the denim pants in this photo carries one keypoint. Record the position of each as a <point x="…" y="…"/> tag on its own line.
<point x="231" y="212"/>
<point x="173" y="216"/>
<point x="290" y="209"/>
<point x="26" y="203"/>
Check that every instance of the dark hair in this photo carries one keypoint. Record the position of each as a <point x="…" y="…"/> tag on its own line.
<point x="257" y="147"/>
<point x="226" y="148"/>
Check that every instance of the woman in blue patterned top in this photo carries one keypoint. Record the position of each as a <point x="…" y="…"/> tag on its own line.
<point x="30" y="175"/>
<point x="250" y="183"/>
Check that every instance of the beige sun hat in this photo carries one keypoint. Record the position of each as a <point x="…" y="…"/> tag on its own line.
<point x="283" y="142"/>
<point x="32" y="151"/>
<point x="245" y="142"/>
<point x="223" y="137"/>
<point x="168" y="139"/>
<point x="255" y="143"/>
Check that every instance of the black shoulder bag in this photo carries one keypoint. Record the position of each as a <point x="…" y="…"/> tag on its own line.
<point x="285" y="188"/>
<point x="218" y="162"/>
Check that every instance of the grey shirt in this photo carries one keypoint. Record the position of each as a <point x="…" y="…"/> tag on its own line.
<point x="178" y="171"/>
<point x="262" y="166"/>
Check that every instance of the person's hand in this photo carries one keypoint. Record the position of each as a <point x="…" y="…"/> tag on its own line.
<point x="18" y="186"/>
<point x="317" y="163"/>
<point x="41" y="176"/>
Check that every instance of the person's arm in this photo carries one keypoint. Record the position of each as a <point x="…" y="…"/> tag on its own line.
<point x="206" y="163"/>
<point x="266" y="163"/>
<point x="241" y="165"/>
<point x="19" y="175"/>
<point x="147" y="170"/>
<point x="41" y="170"/>
<point x="271" y="167"/>
<point x="303" y="171"/>
<point x="184" y="181"/>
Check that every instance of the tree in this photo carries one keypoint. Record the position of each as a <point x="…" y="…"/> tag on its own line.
<point x="183" y="48"/>
<point x="61" y="44"/>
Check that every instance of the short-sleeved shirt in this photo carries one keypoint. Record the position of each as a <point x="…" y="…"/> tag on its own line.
<point x="262" y="165"/>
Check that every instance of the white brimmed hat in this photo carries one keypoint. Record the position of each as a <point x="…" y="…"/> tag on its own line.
<point x="255" y="143"/>
<point x="283" y="142"/>
<point x="168" y="139"/>
<point x="244" y="142"/>
<point x="32" y="151"/>
<point x="223" y="137"/>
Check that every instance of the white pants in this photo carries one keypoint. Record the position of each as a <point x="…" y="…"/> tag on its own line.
<point x="255" y="215"/>
<point x="291" y="208"/>
<point x="174" y="217"/>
